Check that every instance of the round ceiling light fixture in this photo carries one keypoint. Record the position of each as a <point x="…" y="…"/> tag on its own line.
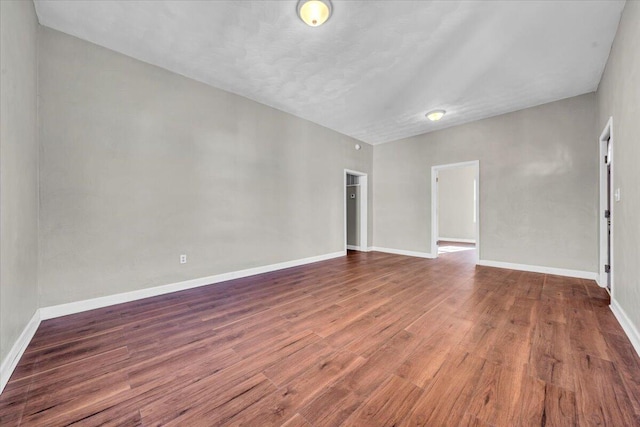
<point x="314" y="12"/>
<point x="435" y="115"/>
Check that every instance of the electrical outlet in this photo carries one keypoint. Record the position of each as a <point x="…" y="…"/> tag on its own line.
<point x="183" y="259"/>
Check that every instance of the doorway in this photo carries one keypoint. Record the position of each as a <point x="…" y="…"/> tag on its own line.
<point x="606" y="216"/>
<point x="455" y="207"/>
<point x="355" y="210"/>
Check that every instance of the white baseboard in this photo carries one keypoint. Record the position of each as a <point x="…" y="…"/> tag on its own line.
<point x="403" y="252"/>
<point x="456" y="240"/>
<point x="91" y="304"/>
<point x="627" y="326"/>
<point x="539" y="269"/>
<point x="601" y="280"/>
<point x="11" y="360"/>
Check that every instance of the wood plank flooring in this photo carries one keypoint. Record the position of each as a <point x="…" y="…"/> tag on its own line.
<point x="370" y="339"/>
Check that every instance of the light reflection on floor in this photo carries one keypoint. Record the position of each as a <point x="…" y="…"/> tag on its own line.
<point x="447" y="247"/>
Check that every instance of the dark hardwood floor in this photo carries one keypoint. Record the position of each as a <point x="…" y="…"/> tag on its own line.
<point x="368" y="339"/>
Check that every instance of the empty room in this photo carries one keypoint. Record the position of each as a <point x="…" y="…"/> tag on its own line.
<point x="319" y="213"/>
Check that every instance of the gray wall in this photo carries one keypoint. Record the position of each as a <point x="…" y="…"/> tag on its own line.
<point x="538" y="185"/>
<point x="353" y="216"/>
<point x="139" y="165"/>
<point x="18" y="170"/>
<point x="619" y="96"/>
<point x="455" y="203"/>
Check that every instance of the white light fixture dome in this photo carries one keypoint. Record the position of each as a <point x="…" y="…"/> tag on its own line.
<point x="435" y="115"/>
<point x="314" y="12"/>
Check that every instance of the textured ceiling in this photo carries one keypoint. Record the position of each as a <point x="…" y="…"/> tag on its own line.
<point x="375" y="67"/>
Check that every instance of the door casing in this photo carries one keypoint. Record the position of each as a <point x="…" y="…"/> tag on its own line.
<point x="605" y="249"/>
<point x="364" y="227"/>
<point x="434" y="203"/>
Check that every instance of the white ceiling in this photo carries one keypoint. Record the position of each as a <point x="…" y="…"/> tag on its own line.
<point x="375" y="67"/>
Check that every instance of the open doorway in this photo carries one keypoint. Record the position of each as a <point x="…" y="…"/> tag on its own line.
<point x="605" y="277"/>
<point x="355" y="210"/>
<point x="455" y="222"/>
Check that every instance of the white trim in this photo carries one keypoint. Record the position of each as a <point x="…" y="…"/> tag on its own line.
<point x="11" y="360"/>
<point x="456" y="240"/>
<point x="402" y="252"/>
<point x="434" y="210"/>
<point x="540" y="269"/>
<point x="91" y="304"/>
<point x="434" y="202"/>
<point x="607" y="133"/>
<point x="363" y="183"/>
<point x="627" y="325"/>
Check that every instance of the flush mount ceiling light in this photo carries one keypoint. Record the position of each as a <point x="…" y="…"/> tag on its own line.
<point x="314" y="12"/>
<point x="435" y="115"/>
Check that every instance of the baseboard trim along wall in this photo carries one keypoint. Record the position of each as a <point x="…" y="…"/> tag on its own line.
<point x="539" y="269"/>
<point x="403" y="252"/>
<point x="456" y="240"/>
<point x="627" y="326"/>
<point x="11" y="361"/>
<point x="91" y="304"/>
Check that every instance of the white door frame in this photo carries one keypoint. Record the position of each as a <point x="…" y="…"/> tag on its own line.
<point x="364" y="229"/>
<point x="434" y="203"/>
<point x="607" y="134"/>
